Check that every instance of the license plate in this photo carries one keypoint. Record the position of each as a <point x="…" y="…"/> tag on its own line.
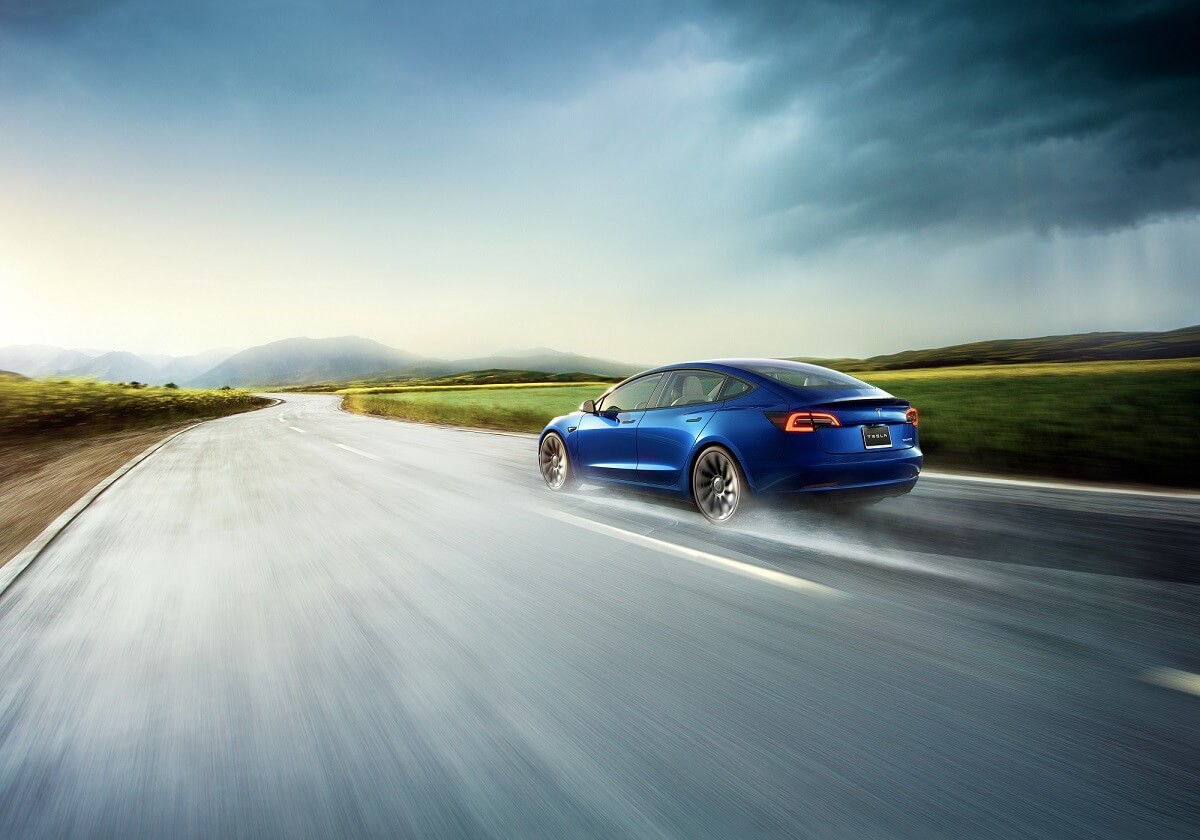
<point x="877" y="437"/>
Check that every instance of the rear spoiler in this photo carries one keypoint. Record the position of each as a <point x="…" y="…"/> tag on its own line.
<point x="864" y="402"/>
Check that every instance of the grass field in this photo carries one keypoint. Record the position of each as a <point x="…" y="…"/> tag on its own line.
<point x="520" y="408"/>
<point x="1134" y="422"/>
<point x="31" y="407"/>
<point x="1129" y="422"/>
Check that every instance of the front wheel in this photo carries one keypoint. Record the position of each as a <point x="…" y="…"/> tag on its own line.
<point x="718" y="487"/>
<point x="554" y="463"/>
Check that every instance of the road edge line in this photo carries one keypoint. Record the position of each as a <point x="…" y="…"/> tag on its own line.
<point x="704" y="558"/>
<point x="14" y="568"/>
<point x="1081" y="487"/>
<point x="1184" y="681"/>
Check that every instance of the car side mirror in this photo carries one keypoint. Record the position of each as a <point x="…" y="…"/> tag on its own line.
<point x="588" y="407"/>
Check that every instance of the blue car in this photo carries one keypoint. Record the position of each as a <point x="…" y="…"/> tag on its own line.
<point x="719" y="432"/>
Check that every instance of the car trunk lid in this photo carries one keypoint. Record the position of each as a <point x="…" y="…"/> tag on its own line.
<point x="856" y="413"/>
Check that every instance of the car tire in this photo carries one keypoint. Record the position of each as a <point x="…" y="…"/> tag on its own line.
<point x="719" y="488"/>
<point x="555" y="463"/>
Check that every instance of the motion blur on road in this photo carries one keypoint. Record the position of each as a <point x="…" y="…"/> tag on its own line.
<point x="304" y="623"/>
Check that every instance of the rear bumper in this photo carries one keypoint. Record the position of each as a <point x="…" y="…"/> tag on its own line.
<point x="863" y="475"/>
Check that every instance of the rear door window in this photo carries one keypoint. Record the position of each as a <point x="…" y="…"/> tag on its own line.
<point x="691" y="387"/>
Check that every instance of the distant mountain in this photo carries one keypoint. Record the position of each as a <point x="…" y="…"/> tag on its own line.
<point x="11" y="375"/>
<point x="40" y="359"/>
<point x="1083" y="347"/>
<point x="293" y="361"/>
<point x="302" y="361"/>
<point x="119" y="366"/>
<point x="45" y="360"/>
<point x="159" y="360"/>
<point x="180" y="369"/>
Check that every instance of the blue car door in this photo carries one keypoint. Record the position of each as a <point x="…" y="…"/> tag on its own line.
<point x="606" y="442"/>
<point x="667" y="433"/>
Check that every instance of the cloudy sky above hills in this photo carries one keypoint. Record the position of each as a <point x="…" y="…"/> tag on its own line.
<point x="626" y="179"/>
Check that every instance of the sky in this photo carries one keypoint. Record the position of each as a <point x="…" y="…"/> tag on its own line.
<point x="644" y="181"/>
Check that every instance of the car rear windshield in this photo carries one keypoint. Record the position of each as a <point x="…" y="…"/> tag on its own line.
<point x="807" y="376"/>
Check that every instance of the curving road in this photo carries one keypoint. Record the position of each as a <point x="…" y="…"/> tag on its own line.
<point x="303" y="623"/>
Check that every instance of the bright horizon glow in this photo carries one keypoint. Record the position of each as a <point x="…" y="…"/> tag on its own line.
<point x="664" y="187"/>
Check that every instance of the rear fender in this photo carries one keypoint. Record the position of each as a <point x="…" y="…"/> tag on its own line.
<point x="702" y="443"/>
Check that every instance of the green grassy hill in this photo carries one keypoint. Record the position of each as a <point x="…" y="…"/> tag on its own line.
<point x="1084" y="347"/>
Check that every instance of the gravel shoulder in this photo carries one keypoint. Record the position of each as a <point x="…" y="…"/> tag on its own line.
<point x="42" y="477"/>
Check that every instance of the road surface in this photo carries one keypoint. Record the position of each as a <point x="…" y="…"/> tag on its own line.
<point x="304" y="623"/>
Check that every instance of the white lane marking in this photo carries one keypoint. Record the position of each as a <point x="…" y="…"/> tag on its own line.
<point x="1052" y="485"/>
<point x="948" y="568"/>
<point x="294" y="429"/>
<point x="1170" y="678"/>
<point x="282" y="419"/>
<point x="356" y="451"/>
<point x="713" y="560"/>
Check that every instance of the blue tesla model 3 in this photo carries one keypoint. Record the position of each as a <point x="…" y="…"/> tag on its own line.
<point x="719" y="432"/>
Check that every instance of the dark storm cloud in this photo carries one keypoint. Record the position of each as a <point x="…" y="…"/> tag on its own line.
<point x="982" y="115"/>
<point x="985" y="114"/>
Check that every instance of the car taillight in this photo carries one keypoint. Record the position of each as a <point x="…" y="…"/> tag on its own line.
<point x="801" y="421"/>
<point x="911" y="416"/>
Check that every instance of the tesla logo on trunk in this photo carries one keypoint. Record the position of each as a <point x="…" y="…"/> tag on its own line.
<point x="879" y="412"/>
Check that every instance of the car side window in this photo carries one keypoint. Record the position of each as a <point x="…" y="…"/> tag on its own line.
<point x="691" y="387"/>
<point x="734" y="388"/>
<point x="632" y="396"/>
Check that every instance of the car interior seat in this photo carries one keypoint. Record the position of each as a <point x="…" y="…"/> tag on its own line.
<point x="693" y="391"/>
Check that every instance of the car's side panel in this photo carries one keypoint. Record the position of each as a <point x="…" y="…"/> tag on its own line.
<point x="606" y="446"/>
<point x="739" y="426"/>
<point x="666" y="438"/>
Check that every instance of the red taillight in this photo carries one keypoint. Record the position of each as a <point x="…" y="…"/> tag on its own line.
<point x="801" y="421"/>
<point x="911" y="416"/>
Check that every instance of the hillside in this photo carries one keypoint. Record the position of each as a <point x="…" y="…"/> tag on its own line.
<point x="302" y="361"/>
<point x="499" y="376"/>
<point x="1083" y="347"/>
<point x="548" y="361"/>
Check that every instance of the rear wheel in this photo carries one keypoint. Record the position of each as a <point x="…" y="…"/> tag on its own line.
<point x="718" y="487"/>
<point x="554" y="463"/>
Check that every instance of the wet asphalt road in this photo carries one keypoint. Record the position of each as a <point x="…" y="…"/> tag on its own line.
<point x="302" y="623"/>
